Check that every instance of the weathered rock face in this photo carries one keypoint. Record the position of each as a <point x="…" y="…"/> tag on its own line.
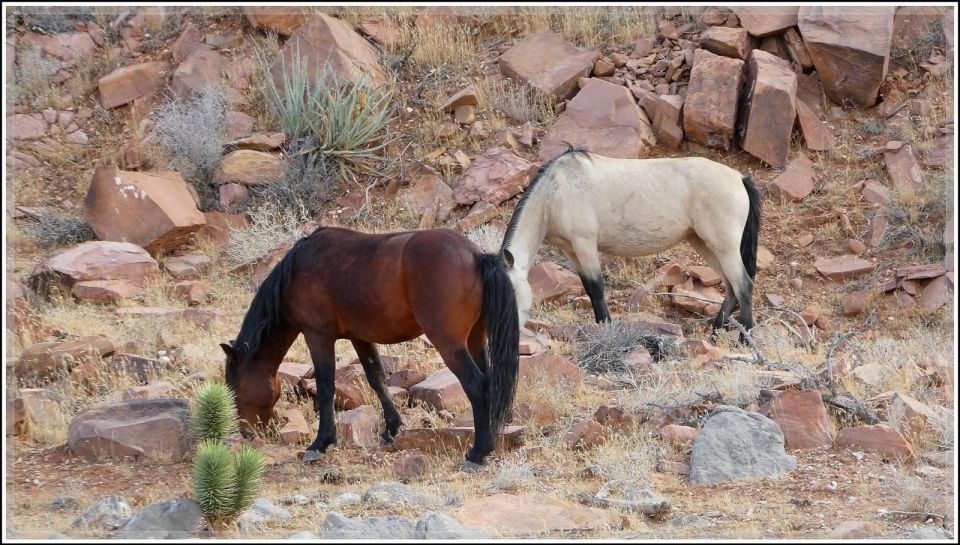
<point x="190" y="40"/>
<point x="549" y="367"/>
<point x="177" y="519"/>
<point x="126" y="84"/>
<point x="441" y="390"/>
<point x="668" y="121"/>
<point x="427" y="193"/>
<point x="199" y="70"/>
<point x="768" y="109"/>
<point x="248" y="167"/>
<point x="763" y="21"/>
<point x="359" y="426"/>
<point x="26" y="126"/>
<point x="905" y="173"/>
<point x="710" y="105"/>
<point x="548" y="62"/>
<point x="878" y="438"/>
<point x="551" y="282"/>
<point x="95" y="260"/>
<point x="726" y="41"/>
<point x="512" y="515"/>
<point x="796" y="181"/>
<point x="46" y="361"/>
<point x="326" y="43"/>
<point x="284" y="20"/>
<point x="495" y="176"/>
<point x="603" y="118"/>
<point x="843" y="267"/>
<point x="850" y="48"/>
<point x="816" y="134"/>
<point x="154" y="211"/>
<point x="152" y="428"/>
<point x="735" y="445"/>
<point x="911" y="23"/>
<point x="803" y="419"/>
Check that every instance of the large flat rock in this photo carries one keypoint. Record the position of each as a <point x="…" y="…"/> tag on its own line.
<point x="548" y="62"/>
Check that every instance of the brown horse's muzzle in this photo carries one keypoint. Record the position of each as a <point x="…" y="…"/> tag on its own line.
<point x="253" y="419"/>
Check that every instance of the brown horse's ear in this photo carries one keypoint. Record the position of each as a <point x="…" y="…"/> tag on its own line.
<point x="507" y="257"/>
<point x="228" y="350"/>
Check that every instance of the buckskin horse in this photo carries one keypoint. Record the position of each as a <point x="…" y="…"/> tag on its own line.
<point x="381" y="289"/>
<point x="586" y="203"/>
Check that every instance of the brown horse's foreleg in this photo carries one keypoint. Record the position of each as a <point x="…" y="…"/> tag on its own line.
<point x="373" y="368"/>
<point x="324" y="365"/>
<point x="474" y="383"/>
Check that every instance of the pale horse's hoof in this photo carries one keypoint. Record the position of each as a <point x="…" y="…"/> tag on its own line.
<point x="311" y="456"/>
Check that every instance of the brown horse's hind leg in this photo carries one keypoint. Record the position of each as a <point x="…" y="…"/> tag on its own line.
<point x="324" y="365"/>
<point x="373" y="368"/>
<point x="474" y="382"/>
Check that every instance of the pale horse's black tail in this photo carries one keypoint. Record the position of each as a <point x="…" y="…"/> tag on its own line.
<point x="503" y="338"/>
<point x="751" y="230"/>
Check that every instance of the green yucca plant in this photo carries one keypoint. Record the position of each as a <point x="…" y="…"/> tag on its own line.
<point x="214" y="413"/>
<point x="214" y="481"/>
<point x="346" y="120"/>
<point x="224" y="483"/>
<point x="248" y="464"/>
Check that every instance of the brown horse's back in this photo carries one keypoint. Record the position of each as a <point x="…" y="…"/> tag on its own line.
<point x="377" y="287"/>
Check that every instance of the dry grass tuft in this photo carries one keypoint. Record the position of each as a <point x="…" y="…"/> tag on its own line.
<point x="271" y="226"/>
<point x="518" y="101"/>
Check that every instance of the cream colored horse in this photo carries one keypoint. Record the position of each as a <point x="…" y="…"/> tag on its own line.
<point x="585" y="203"/>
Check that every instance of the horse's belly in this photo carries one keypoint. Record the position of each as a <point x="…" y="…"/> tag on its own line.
<point x="640" y="239"/>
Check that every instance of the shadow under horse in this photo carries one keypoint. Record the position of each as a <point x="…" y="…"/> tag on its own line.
<point x="381" y="289"/>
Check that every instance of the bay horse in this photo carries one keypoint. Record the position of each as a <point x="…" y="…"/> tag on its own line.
<point x="373" y="289"/>
<point x="586" y="203"/>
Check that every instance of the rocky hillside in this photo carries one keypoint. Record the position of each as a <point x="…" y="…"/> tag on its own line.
<point x="163" y="160"/>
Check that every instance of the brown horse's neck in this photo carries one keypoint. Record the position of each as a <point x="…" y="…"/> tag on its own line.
<point x="272" y="350"/>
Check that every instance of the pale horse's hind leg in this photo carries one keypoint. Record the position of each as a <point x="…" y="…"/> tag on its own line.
<point x="586" y="258"/>
<point x="723" y="256"/>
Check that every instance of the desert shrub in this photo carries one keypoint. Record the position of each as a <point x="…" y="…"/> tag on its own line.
<point x="52" y="19"/>
<point x="54" y="230"/>
<point x="603" y="351"/>
<point x="487" y="237"/>
<point x="309" y="180"/>
<point x="192" y="132"/>
<point x="271" y="225"/>
<point x="32" y="76"/>
<point x="214" y="415"/>
<point x="516" y="100"/>
<point x="341" y="123"/>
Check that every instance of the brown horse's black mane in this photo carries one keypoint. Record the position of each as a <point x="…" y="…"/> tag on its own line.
<point x="263" y="316"/>
<point x="518" y="211"/>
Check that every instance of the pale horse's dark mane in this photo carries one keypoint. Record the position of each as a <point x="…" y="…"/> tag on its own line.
<point x="518" y="211"/>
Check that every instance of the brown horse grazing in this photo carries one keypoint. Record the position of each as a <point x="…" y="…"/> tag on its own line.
<point x="382" y="289"/>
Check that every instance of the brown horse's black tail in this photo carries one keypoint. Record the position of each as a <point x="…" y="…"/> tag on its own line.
<point x="751" y="230"/>
<point x="503" y="338"/>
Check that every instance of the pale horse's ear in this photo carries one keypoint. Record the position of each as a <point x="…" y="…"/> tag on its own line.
<point x="507" y="257"/>
<point x="228" y="350"/>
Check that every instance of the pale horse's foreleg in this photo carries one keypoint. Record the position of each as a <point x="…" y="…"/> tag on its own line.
<point x="586" y="258"/>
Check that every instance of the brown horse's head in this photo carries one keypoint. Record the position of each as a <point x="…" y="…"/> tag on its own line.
<point x="256" y="390"/>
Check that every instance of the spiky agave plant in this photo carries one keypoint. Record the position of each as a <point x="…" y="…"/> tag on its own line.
<point x="215" y="481"/>
<point x="248" y="465"/>
<point x="214" y="413"/>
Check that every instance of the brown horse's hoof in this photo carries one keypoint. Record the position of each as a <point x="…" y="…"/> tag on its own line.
<point x="470" y="467"/>
<point x="311" y="456"/>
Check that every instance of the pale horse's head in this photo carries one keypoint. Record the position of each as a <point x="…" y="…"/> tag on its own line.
<point x="521" y="286"/>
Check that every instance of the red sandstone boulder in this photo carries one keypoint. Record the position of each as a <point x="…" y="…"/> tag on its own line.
<point x="128" y="83"/>
<point x="710" y="105"/>
<point x="359" y="426"/>
<point x="551" y="282"/>
<point x="495" y="176"/>
<point x="284" y="20"/>
<point x="441" y="390"/>
<point x="843" y="267"/>
<point x="878" y="438"/>
<point x="766" y="20"/>
<point x="427" y="193"/>
<point x="603" y="118"/>
<point x="850" y="48"/>
<point x="322" y="43"/>
<point x="796" y="181"/>
<point x="154" y="211"/>
<point x="142" y="428"/>
<point x="802" y="417"/>
<point x="726" y="41"/>
<point x="548" y="62"/>
<point x="95" y="260"/>
<point x="768" y="109"/>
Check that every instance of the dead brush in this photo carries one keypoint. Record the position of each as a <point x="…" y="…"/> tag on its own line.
<point x="603" y="351"/>
<point x="56" y="230"/>
<point x="518" y="101"/>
